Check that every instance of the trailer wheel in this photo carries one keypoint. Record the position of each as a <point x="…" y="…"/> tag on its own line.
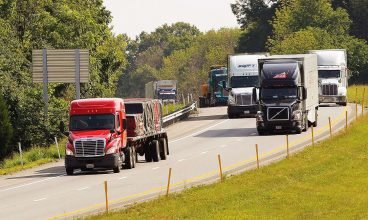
<point x="155" y="149"/>
<point x="163" y="149"/>
<point x="306" y="123"/>
<point x="69" y="171"/>
<point x="129" y="158"/>
<point x="316" y="119"/>
<point x="147" y="152"/>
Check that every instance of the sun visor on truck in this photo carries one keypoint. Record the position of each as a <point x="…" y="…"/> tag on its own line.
<point x="279" y="74"/>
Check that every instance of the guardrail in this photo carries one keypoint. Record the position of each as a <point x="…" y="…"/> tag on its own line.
<point x="178" y="114"/>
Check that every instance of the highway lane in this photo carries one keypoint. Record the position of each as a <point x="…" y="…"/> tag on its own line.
<point x="46" y="192"/>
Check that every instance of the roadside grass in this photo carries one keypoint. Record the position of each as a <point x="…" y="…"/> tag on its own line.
<point x="327" y="181"/>
<point x="355" y="94"/>
<point x="32" y="157"/>
<point x="169" y="108"/>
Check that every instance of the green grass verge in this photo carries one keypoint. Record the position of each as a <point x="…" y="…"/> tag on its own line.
<point x="31" y="158"/>
<point x="328" y="181"/>
<point x="355" y="94"/>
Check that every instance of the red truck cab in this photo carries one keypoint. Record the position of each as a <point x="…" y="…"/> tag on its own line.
<point x="108" y="133"/>
<point x="97" y="134"/>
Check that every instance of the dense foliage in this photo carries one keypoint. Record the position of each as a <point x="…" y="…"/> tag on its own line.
<point x="6" y="129"/>
<point x="297" y="26"/>
<point x="29" y="24"/>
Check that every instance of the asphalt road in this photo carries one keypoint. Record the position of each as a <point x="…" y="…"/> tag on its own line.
<point x="46" y="192"/>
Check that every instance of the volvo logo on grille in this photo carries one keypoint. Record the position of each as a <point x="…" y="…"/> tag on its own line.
<point x="277" y="113"/>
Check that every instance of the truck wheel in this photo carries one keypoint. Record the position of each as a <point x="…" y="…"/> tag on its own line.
<point x="116" y="169"/>
<point x="147" y="152"/>
<point x="230" y="115"/>
<point x="69" y="171"/>
<point x="343" y="103"/>
<point x="315" y="120"/>
<point x="155" y="149"/>
<point x="306" y="124"/>
<point x="129" y="159"/>
<point x="163" y="149"/>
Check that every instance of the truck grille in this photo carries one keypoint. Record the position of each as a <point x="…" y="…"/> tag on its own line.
<point x="243" y="99"/>
<point x="277" y="113"/>
<point x="89" y="147"/>
<point x="329" y="89"/>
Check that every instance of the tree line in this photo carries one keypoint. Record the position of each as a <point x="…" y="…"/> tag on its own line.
<point x="120" y="66"/>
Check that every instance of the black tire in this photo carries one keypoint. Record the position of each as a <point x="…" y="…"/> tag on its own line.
<point x="229" y="115"/>
<point x="69" y="171"/>
<point x="261" y="132"/>
<point x="147" y="152"/>
<point x="155" y="149"/>
<point x="343" y="103"/>
<point x="129" y="158"/>
<point x="315" y="120"/>
<point x="306" y="123"/>
<point x="163" y="149"/>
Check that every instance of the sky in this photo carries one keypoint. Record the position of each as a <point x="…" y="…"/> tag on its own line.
<point x="134" y="16"/>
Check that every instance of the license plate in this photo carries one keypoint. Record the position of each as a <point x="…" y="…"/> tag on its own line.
<point x="246" y="112"/>
<point x="90" y="166"/>
<point x="278" y="127"/>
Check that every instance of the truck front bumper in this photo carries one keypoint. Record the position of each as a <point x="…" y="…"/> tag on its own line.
<point x="264" y="126"/>
<point x="108" y="161"/>
<point x="242" y="110"/>
<point x="332" y="99"/>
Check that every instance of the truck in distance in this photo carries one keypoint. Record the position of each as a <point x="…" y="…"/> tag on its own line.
<point x="332" y="75"/>
<point x="288" y="93"/>
<point x="242" y="78"/>
<point x="213" y="93"/>
<point x="161" y="89"/>
<point x="109" y="132"/>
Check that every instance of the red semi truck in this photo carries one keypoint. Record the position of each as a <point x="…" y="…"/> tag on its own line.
<point x="109" y="133"/>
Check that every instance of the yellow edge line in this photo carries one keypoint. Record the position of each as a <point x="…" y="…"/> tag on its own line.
<point x="202" y="176"/>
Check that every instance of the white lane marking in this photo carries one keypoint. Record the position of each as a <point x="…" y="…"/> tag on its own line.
<point x="84" y="188"/>
<point x="181" y="160"/>
<point x="204" y="152"/>
<point x="28" y="184"/>
<point x="37" y="200"/>
<point x="155" y="168"/>
<point x="198" y="132"/>
<point x="124" y="177"/>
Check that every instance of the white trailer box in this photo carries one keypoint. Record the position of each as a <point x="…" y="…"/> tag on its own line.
<point x="332" y="75"/>
<point x="242" y="78"/>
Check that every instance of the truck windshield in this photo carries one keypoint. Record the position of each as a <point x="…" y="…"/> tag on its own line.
<point x="92" y="122"/>
<point x="325" y="74"/>
<point x="279" y="93"/>
<point x="243" y="81"/>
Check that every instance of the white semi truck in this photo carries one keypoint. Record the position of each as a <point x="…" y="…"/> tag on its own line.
<point x="332" y="75"/>
<point x="288" y="93"/>
<point x="242" y="78"/>
<point x="161" y="89"/>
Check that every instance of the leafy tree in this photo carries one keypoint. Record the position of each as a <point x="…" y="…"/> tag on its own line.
<point x="190" y="66"/>
<point x="254" y="17"/>
<point x="358" y="12"/>
<point x="300" y="26"/>
<point x="6" y="130"/>
<point x="146" y="54"/>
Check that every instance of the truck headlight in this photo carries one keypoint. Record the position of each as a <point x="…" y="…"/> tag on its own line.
<point x="259" y="116"/>
<point x="112" y="149"/>
<point x="68" y="151"/>
<point x="231" y="100"/>
<point x="297" y="115"/>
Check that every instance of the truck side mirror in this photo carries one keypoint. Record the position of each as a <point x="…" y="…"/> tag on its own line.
<point x="254" y="94"/>
<point x="224" y="84"/>
<point x="305" y="93"/>
<point x="125" y="124"/>
<point x="62" y="128"/>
